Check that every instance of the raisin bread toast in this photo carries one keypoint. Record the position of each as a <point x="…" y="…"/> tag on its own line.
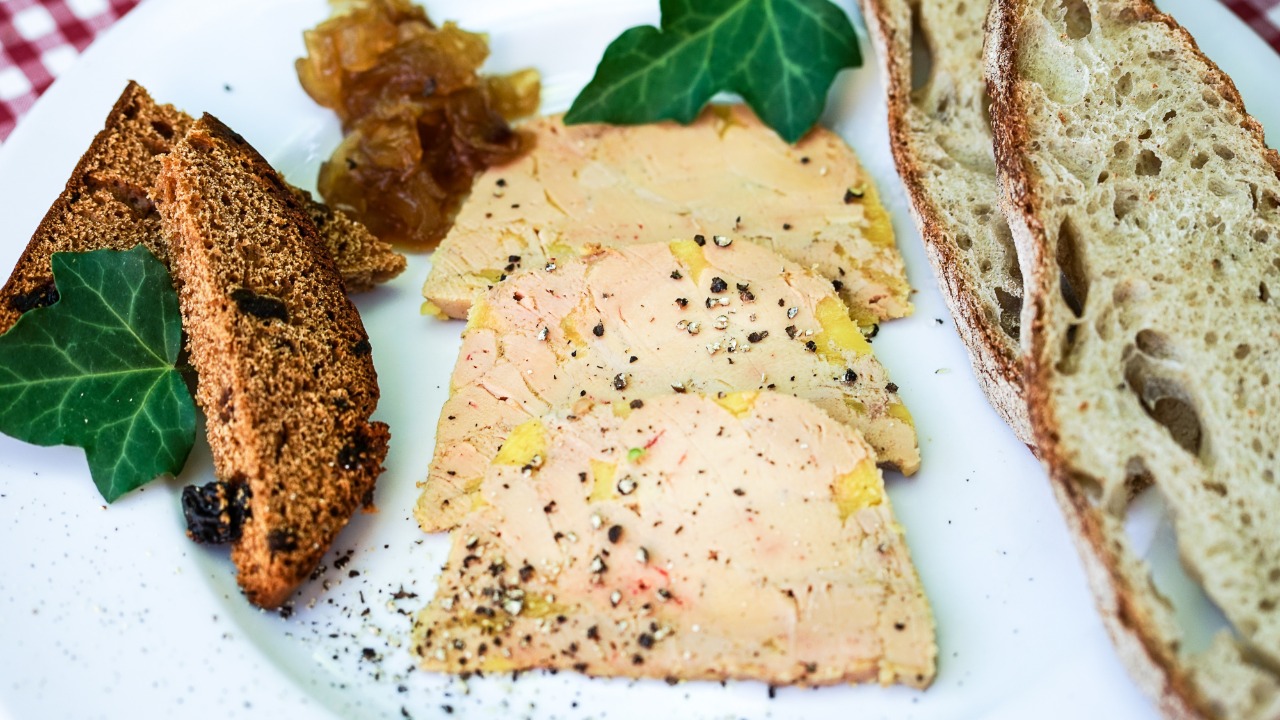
<point x="941" y="141"/>
<point x="106" y="204"/>
<point x="1146" y="210"/>
<point x="287" y="382"/>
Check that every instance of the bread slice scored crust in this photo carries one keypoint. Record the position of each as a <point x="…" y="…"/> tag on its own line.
<point x="1146" y="210"/>
<point x="106" y="204"/>
<point x="940" y="135"/>
<point x="287" y="382"/>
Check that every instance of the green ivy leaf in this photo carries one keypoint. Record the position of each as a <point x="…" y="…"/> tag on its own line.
<point x="779" y="55"/>
<point x="97" y="369"/>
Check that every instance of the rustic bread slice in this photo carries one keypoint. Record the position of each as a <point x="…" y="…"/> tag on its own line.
<point x="287" y="381"/>
<point x="626" y="546"/>
<point x="1146" y="210"/>
<point x="725" y="174"/>
<point x="941" y="139"/>
<point x="629" y="323"/>
<point x="106" y="204"/>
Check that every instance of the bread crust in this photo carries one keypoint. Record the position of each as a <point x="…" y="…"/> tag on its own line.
<point x="998" y="366"/>
<point x="1121" y="587"/>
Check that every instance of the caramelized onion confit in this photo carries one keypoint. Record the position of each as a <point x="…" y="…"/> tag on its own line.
<point x="420" y="121"/>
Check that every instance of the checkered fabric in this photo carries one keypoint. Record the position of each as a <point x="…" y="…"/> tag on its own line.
<point x="41" y="38"/>
<point x="1261" y="15"/>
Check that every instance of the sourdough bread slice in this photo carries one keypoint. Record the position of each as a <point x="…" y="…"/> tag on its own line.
<point x="1146" y="210"/>
<point x="941" y="140"/>
<point x="741" y="535"/>
<point x="287" y="382"/>
<point x="106" y="204"/>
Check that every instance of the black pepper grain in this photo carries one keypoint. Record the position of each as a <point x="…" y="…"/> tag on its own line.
<point x="718" y="285"/>
<point x="598" y="330"/>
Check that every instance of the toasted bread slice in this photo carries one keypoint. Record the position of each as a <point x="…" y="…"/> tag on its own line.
<point x="287" y="382"/>
<point x="629" y="546"/>
<point x="1145" y="206"/>
<point x="727" y="174"/>
<point x="630" y="323"/>
<point x="106" y="204"/>
<point x="941" y="139"/>
<point x="363" y="260"/>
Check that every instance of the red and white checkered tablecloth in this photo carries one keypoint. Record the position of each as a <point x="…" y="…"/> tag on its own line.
<point x="41" y="38"/>
<point x="1261" y="15"/>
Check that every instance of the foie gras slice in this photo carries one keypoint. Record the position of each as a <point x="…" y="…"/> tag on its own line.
<point x="629" y="323"/>
<point x="725" y="174"/>
<point x="744" y="536"/>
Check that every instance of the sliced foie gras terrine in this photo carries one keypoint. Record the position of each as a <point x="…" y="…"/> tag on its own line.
<point x="623" y="324"/>
<point x="698" y="537"/>
<point x="726" y="174"/>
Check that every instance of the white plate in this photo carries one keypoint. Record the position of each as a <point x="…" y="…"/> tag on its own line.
<point x="112" y="612"/>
